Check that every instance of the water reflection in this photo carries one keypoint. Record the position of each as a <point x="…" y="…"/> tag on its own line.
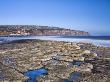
<point x="74" y="76"/>
<point x="33" y="74"/>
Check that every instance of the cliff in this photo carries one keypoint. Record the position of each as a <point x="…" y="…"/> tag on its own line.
<point x="39" y="30"/>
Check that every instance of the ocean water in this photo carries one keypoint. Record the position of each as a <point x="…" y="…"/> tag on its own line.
<point x="96" y="40"/>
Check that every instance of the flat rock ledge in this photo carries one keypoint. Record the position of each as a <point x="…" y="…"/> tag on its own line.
<point x="57" y="57"/>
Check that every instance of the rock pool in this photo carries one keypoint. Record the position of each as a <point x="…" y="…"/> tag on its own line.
<point x="77" y="62"/>
<point x="33" y="74"/>
<point x="74" y="76"/>
<point x="66" y="80"/>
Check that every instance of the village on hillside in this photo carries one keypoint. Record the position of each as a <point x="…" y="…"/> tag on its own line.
<point x="39" y="30"/>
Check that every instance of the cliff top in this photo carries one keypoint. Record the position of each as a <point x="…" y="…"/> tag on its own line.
<point x="34" y="27"/>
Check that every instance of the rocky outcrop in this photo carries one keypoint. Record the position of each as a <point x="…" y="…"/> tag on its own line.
<point x="61" y="59"/>
<point x="39" y="30"/>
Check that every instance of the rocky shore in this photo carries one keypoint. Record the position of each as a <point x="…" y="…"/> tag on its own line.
<point x="62" y="60"/>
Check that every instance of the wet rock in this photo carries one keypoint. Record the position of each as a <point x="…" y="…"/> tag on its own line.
<point x="86" y="67"/>
<point x="87" y="52"/>
<point x="57" y="57"/>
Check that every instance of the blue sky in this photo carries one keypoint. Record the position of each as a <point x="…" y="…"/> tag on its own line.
<point x="87" y="15"/>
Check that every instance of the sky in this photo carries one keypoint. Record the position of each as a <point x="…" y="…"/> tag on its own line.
<point x="92" y="16"/>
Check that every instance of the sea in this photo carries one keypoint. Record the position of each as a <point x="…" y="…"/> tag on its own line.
<point x="96" y="40"/>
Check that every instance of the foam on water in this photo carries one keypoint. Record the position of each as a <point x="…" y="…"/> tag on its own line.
<point x="98" y="42"/>
<point x="105" y="43"/>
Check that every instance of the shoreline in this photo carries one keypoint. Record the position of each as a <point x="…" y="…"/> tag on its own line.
<point x="57" y="57"/>
<point x="104" y="43"/>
